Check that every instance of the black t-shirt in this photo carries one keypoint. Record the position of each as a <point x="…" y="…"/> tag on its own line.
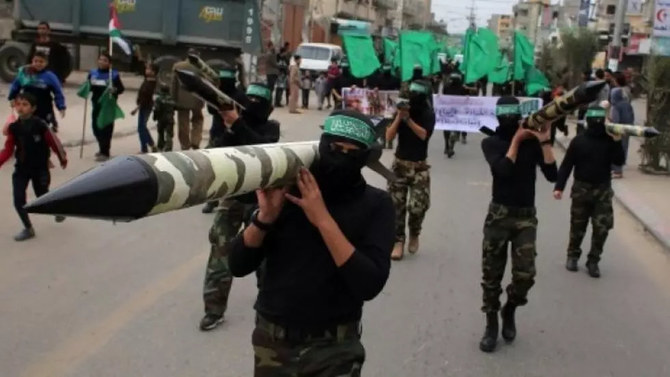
<point x="410" y="146"/>
<point x="59" y="58"/>
<point x="514" y="182"/>
<point x="592" y="156"/>
<point x="302" y="286"/>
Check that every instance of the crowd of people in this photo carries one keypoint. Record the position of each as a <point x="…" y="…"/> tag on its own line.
<point x="316" y="255"/>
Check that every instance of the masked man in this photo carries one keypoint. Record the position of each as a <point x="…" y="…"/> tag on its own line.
<point x="591" y="154"/>
<point x="513" y="154"/>
<point x="217" y="132"/>
<point x="251" y="127"/>
<point x="454" y="87"/>
<point x="323" y="258"/>
<point x="411" y="190"/>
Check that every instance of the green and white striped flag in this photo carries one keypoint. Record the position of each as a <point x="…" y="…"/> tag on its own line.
<point x="115" y="31"/>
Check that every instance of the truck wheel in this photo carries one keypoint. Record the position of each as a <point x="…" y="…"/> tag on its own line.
<point x="165" y="64"/>
<point x="12" y="57"/>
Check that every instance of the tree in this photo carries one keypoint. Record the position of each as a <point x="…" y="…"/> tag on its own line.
<point x="655" y="150"/>
<point x="575" y="53"/>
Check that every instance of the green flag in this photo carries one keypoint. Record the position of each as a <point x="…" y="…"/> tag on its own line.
<point x="109" y="110"/>
<point x="535" y="81"/>
<point x="524" y="56"/>
<point x="466" y="42"/>
<point x="501" y="73"/>
<point x="416" y="47"/>
<point x="84" y="89"/>
<point x="482" y="55"/>
<point x="361" y="55"/>
<point x="390" y="51"/>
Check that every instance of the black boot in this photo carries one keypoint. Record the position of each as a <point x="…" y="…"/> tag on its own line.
<point x="571" y="264"/>
<point x="210" y="206"/>
<point x="508" y="325"/>
<point x="490" y="338"/>
<point x="594" y="271"/>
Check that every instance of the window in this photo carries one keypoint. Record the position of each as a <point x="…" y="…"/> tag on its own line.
<point x="313" y="52"/>
<point x="610" y="10"/>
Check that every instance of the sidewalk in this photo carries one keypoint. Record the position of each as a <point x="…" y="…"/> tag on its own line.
<point x="644" y="196"/>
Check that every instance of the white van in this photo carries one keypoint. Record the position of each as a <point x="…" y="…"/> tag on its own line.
<point x="316" y="56"/>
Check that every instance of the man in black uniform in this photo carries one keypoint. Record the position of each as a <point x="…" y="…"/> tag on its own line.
<point x="252" y="127"/>
<point x="411" y="190"/>
<point x="592" y="154"/>
<point x="227" y="84"/>
<point x="513" y="154"/>
<point x="323" y="258"/>
<point x="454" y="87"/>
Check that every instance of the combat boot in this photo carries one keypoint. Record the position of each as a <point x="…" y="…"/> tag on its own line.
<point x="508" y="325"/>
<point x="490" y="338"/>
<point x="571" y="264"/>
<point x="413" y="245"/>
<point x="398" y="250"/>
<point x="210" y="321"/>
<point x="593" y="269"/>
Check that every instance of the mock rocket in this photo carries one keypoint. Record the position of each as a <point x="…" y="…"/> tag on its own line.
<point x="631" y="130"/>
<point x="565" y="104"/>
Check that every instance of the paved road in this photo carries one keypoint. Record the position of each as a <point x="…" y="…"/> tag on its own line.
<point x="89" y="298"/>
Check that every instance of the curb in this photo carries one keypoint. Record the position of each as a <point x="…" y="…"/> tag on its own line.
<point x="644" y="214"/>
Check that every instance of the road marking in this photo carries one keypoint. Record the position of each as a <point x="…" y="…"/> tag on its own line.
<point x="66" y="356"/>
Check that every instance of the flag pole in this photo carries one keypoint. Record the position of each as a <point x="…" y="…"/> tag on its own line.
<point x="111" y="44"/>
<point x="83" y="129"/>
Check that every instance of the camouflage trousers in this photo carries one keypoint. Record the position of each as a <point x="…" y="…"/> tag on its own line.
<point x="595" y="203"/>
<point x="228" y="221"/>
<point x="504" y="225"/>
<point x="411" y="195"/>
<point x="281" y="352"/>
<point x="165" y="135"/>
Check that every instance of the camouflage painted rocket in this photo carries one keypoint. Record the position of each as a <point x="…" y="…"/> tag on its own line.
<point x="205" y="90"/>
<point x="205" y="69"/>
<point x="127" y="188"/>
<point x="631" y="130"/>
<point x="567" y="103"/>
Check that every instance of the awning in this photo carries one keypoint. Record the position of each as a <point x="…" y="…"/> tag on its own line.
<point x="352" y="26"/>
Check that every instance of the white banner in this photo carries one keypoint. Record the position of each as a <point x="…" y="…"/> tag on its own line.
<point x="662" y="18"/>
<point x="469" y="114"/>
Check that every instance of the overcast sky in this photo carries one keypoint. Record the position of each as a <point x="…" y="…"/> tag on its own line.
<point x="455" y="12"/>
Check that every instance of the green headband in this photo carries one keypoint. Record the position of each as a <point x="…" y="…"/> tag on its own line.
<point x="595" y="113"/>
<point x="259" y="91"/>
<point x="226" y="74"/>
<point x="417" y="87"/>
<point x="350" y="128"/>
<point x="508" y="110"/>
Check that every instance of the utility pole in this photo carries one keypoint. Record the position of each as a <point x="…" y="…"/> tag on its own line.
<point x="472" y="18"/>
<point x="615" y="47"/>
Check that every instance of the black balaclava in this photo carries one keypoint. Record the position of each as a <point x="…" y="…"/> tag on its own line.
<point x="509" y="115"/>
<point x="258" y="104"/>
<point x="386" y="71"/>
<point x="595" y="121"/>
<point x="419" y="92"/>
<point x="227" y="82"/>
<point x="417" y="73"/>
<point x="337" y="173"/>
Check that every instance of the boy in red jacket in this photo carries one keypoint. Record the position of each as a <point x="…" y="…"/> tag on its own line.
<point x="30" y="138"/>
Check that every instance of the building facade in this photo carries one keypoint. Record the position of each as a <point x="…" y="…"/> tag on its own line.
<point x="501" y="25"/>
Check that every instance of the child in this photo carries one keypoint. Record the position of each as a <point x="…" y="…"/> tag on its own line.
<point x="591" y="154"/>
<point x="30" y="139"/>
<point x="321" y="88"/>
<point x="41" y="83"/>
<point x="164" y="108"/>
<point x="145" y="102"/>
<point x="306" y="88"/>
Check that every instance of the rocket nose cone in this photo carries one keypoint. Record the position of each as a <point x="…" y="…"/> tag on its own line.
<point x="122" y="189"/>
<point x="651" y="132"/>
<point x="589" y="90"/>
